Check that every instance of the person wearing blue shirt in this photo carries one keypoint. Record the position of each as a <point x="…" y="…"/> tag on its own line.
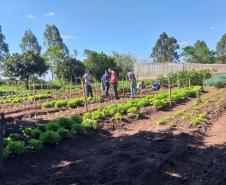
<point x="105" y="83"/>
<point x="155" y="86"/>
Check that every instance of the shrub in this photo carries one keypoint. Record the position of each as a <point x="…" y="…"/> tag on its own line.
<point x="76" y="119"/>
<point x="6" y="153"/>
<point x="52" y="125"/>
<point x="89" y="123"/>
<point x="15" y="147"/>
<point x="50" y="137"/>
<point x="78" y="129"/>
<point x="64" y="133"/>
<point x="35" y="133"/>
<point x="14" y="136"/>
<point x="65" y="123"/>
<point x="35" y="144"/>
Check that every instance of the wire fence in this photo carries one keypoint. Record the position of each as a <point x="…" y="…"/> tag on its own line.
<point x="153" y="70"/>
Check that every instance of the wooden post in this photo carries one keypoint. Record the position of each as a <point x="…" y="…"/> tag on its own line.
<point x="170" y="91"/>
<point x="1" y="142"/>
<point x="84" y="92"/>
<point x="70" y="86"/>
<point x="34" y="95"/>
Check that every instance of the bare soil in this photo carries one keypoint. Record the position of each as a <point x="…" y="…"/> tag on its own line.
<point x="137" y="153"/>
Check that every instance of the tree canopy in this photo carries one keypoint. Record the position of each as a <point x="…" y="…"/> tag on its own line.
<point x="221" y="50"/>
<point x="24" y="66"/>
<point x="97" y="63"/>
<point x="4" y="48"/>
<point x="199" y="53"/>
<point x="29" y="42"/>
<point x="165" y="49"/>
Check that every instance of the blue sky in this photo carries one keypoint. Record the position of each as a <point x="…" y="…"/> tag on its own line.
<point x="115" y="25"/>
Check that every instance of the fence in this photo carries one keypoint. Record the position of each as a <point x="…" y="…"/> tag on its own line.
<point x="151" y="70"/>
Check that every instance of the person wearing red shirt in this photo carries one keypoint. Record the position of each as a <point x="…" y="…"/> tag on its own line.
<point x="114" y="82"/>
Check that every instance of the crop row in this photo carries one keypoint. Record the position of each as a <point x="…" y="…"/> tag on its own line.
<point x="28" y="98"/>
<point x="159" y="100"/>
<point x="72" y="103"/>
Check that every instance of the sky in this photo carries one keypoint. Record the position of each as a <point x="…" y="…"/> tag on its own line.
<point x="124" y="26"/>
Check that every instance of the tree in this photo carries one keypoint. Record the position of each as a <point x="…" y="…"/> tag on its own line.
<point x="56" y="57"/>
<point x="165" y="49"/>
<point x="29" y="42"/>
<point x="124" y="61"/>
<point x="97" y="63"/>
<point x="199" y="53"/>
<point x="24" y="66"/>
<point x="52" y="37"/>
<point x="4" y="49"/>
<point x="221" y="50"/>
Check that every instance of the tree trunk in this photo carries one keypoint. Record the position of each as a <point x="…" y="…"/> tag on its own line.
<point x="26" y="83"/>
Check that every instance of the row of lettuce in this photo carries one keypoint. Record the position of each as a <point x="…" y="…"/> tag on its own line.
<point x="54" y="131"/>
<point x="72" y="103"/>
<point x="28" y="98"/>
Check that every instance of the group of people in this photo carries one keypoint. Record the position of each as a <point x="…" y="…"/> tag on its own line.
<point x="110" y="77"/>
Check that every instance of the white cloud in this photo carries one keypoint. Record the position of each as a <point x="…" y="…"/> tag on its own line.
<point x="68" y="37"/>
<point x="212" y="28"/>
<point x="49" y="14"/>
<point x="184" y="43"/>
<point x="30" y="16"/>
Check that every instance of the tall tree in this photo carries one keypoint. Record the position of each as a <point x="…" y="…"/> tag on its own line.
<point x="56" y="57"/>
<point x="4" y="49"/>
<point x="199" y="53"/>
<point x="29" y="42"/>
<point x="24" y="66"/>
<point x="52" y="37"/>
<point x="97" y="63"/>
<point x="125" y="62"/>
<point x="165" y="49"/>
<point x="221" y="50"/>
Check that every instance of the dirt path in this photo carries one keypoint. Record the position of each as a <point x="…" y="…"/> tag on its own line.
<point x="217" y="133"/>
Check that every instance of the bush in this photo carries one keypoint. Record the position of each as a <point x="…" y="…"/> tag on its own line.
<point x="64" y="133"/>
<point x="76" y="119"/>
<point x="14" y="136"/>
<point x="15" y="147"/>
<point x="52" y="125"/>
<point x="6" y="153"/>
<point x="35" y="133"/>
<point x="65" y="123"/>
<point x="89" y="123"/>
<point x="78" y="129"/>
<point x="35" y="144"/>
<point x="6" y="141"/>
<point x="50" y="137"/>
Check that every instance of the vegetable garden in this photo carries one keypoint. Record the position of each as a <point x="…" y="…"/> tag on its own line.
<point x="35" y="120"/>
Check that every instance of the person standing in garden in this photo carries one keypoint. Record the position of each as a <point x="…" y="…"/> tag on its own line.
<point x="132" y="80"/>
<point x="114" y="82"/>
<point x="88" y="84"/>
<point x="105" y="83"/>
